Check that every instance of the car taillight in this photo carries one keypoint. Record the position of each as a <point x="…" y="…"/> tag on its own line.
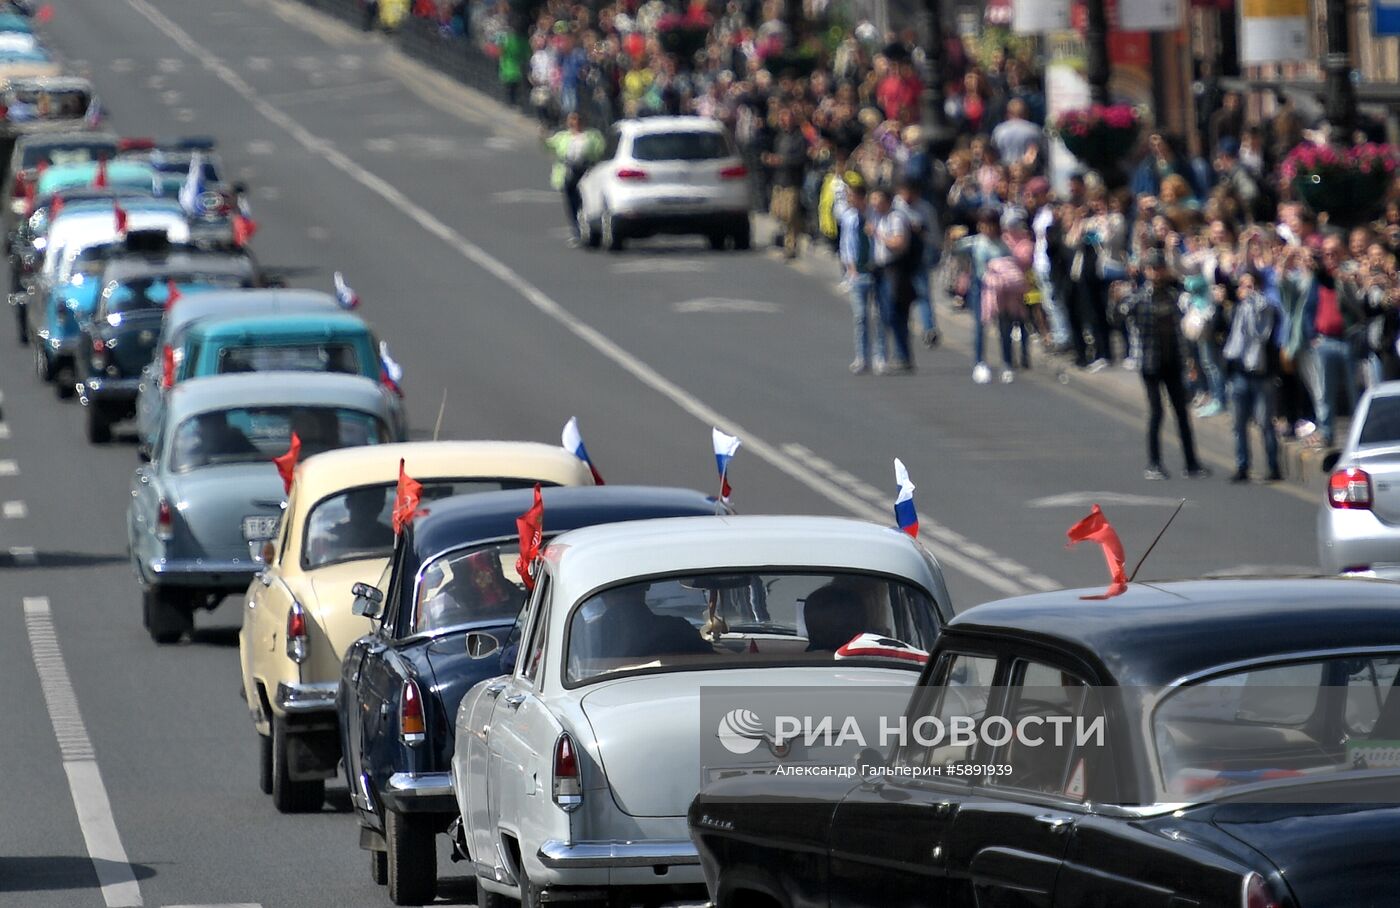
<point x="1256" y="893"/>
<point x="411" y="727"/>
<point x="296" y="633"/>
<point x="18" y="189"/>
<point x="167" y="367"/>
<point x="99" y="345"/>
<point x="1350" y="489"/>
<point x="631" y="173"/>
<point x="568" y="788"/>
<point x="135" y="144"/>
<point x="737" y="172"/>
<point x="165" y="520"/>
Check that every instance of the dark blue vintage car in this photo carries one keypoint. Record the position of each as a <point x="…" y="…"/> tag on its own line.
<point x="1251" y="758"/>
<point x="452" y="575"/>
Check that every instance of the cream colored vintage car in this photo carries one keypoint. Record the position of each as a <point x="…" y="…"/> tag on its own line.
<point x="336" y="532"/>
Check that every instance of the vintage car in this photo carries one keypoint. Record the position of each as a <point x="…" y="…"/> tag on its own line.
<point x="161" y="373"/>
<point x="212" y="222"/>
<point x="65" y="295"/>
<point x="1247" y="758"/>
<point x="119" y="341"/>
<point x="43" y="150"/>
<point x="286" y="342"/>
<point x="42" y="104"/>
<point x="210" y="497"/>
<point x="451" y="586"/>
<point x="336" y="532"/>
<point x="574" y="770"/>
<point x="1358" y="524"/>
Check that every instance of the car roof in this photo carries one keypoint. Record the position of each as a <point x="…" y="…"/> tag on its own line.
<point x="51" y="83"/>
<point x="330" y="324"/>
<point x="80" y="172"/>
<point x="646" y="125"/>
<point x="14" y="22"/>
<point x="131" y="264"/>
<point x="459" y="520"/>
<point x="600" y="556"/>
<point x="54" y="139"/>
<point x="241" y="302"/>
<point x="1157" y="633"/>
<point x="345" y="468"/>
<point x="259" y="389"/>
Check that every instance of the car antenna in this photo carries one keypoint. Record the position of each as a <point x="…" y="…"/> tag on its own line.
<point x="442" y="408"/>
<point x="1137" y="567"/>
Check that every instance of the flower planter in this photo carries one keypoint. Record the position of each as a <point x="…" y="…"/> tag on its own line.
<point x="1101" y="137"/>
<point x="1347" y="184"/>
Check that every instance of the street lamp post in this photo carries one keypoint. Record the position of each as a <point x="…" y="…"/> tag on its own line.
<point x="1341" y="94"/>
<point x="935" y="120"/>
<point x="1096" y="50"/>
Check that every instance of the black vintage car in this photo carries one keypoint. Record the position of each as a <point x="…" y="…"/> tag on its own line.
<point x="1252" y="739"/>
<point x="452" y="573"/>
<point x="120" y="338"/>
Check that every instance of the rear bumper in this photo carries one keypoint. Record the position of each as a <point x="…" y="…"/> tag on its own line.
<point x="649" y="222"/>
<point x="208" y="574"/>
<point x="426" y="792"/>
<point x="113" y="393"/>
<point x="1355" y="539"/>
<point x="306" y="699"/>
<point x="558" y="855"/>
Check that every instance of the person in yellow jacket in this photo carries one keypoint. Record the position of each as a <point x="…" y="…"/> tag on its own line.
<point x="575" y="149"/>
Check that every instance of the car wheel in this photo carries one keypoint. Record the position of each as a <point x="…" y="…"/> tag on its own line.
<point x="22" y="326"/>
<point x="99" y="430"/>
<point x="43" y="366"/>
<point x="64" y="384"/>
<point x="530" y="895"/>
<point x="588" y="236"/>
<point x="379" y="868"/>
<point x="488" y="899"/>
<point x="716" y="241"/>
<point x="265" y="763"/>
<point x="611" y="239"/>
<point x="412" y="859"/>
<point x="166" y="613"/>
<point x="289" y="796"/>
<point x="743" y="235"/>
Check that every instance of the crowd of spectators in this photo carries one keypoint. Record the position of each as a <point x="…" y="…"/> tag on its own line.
<point x="1274" y="316"/>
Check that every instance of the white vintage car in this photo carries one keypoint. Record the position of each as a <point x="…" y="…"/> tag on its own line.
<point x="574" y="772"/>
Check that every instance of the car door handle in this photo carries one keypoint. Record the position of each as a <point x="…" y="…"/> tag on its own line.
<point x="375" y="649"/>
<point x="494" y="688"/>
<point x="1058" y="822"/>
<point x="943" y="808"/>
<point x="514" y="700"/>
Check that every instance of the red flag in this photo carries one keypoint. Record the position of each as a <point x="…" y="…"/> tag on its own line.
<point x="44" y="14"/>
<point x="172" y="293"/>
<point x="530" y="526"/>
<point x="243" y="229"/>
<point x="55" y="207"/>
<point x="120" y="214"/>
<point x="287" y="463"/>
<point x="1096" y="528"/>
<point x="99" y="176"/>
<point x="406" y="499"/>
<point x="426" y="9"/>
<point x="167" y="367"/>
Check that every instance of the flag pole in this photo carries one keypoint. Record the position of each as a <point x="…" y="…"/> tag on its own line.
<point x="1133" y="576"/>
<point x="442" y="408"/>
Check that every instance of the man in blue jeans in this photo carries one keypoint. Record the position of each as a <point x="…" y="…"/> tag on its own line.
<point x="1250" y="354"/>
<point x="854" y="247"/>
<point x="1333" y="307"/>
<point x="896" y="252"/>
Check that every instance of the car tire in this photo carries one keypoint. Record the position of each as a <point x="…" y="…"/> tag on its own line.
<point x="412" y="859"/>
<point x="265" y="763"/>
<point x="43" y="366"/>
<point x="487" y="899"/>
<point x="716" y="241"/>
<point x="611" y="239"/>
<point x="99" y="430"/>
<point x="743" y="236"/>
<point x="290" y="796"/>
<point x="64" y="384"/>
<point x="587" y="234"/>
<point x="530" y="894"/>
<point x="379" y="867"/>
<point x="21" y="326"/>
<point x="166" y="614"/>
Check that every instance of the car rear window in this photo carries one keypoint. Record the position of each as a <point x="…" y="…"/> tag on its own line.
<point x="257" y="434"/>
<point x="47" y="104"/>
<point x="291" y="358"/>
<point x="698" y="145"/>
<point x="152" y="293"/>
<point x="58" y="155"/>
<point x="1382" y="421"/>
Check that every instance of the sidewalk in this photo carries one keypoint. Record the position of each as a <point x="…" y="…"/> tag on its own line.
<point x="1114" y="393"/>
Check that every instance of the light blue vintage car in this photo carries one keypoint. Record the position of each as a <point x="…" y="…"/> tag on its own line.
<point x="210" y="497"/>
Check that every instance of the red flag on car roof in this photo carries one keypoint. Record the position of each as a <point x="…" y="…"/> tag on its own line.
<point x="530" y="525"/>
<point x="286" y="463"/>
<point x="120" y="214"/>
<point x="99" y="176"/>
<point x="55" y="207"/>
<point x="172" y="293"/>
<point x="1096" y="528"/>
<point x="44" y="14"/>
<point x="243" y="224"/>
<point x="406" y="498"/>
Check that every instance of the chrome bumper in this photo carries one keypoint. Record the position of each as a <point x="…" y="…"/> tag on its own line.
<point x="561" y="855"/>
<point x="124" y="389"/>
<point x="230" y="574"/>
<point x="306" y="698"/>
<point x="419" y="785"/>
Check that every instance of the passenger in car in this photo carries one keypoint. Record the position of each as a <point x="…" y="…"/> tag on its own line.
<point x="834" y="614"/>
<point x="629" y="629"/>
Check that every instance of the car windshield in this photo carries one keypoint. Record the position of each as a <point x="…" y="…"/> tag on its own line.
<point x="316" y="357"/>
<point x="698" y="145"/>
<point x="1382" y="421"/>
<point x="357" y="523"/>
<point x="58" y="155"/>
<point x="1302" y="720"/>
<point x="743" y="619"/>
<point x="477" y="584"/>
<point x="152" y="292"/>
<point x="46" y="104"/>
<point x="258" y="434"/>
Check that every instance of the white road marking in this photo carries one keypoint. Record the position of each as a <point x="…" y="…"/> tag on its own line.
<point x="170" y="64"/>
<point x="516" y="196"/>
<point x="501" y="143"/>
<point x="260" y="147"/>
<point x="170" y="97"/>
<point x="716" y="304"/>
<point x="1085" y="499"/>
<point x="349" y="61"/>
<point x="123" y="65"/>
<point x="267" y="192"/>
<point x="4" y="430"/>
<point x="24" y="555"/>
<point x="382" y="145"/>
<point x="660" y="266"/>
<point x="94" y="809"/>
<point x="9" y="468"/>
<point x="14" y="510"/>
<point x="155" y="82"/>
<point x="184" y="115"/>
<point x="258" y="64"/>
<point x="318" y="233"/>
<point x="222" y="905"/>
<point x="601" y="343"/>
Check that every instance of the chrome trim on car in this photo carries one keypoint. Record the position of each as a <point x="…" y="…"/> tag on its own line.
<point x="420" y="785"/>
<point x="168" y="566"/>
<point x="562" y="855"/>
<point x="306" y="697"/>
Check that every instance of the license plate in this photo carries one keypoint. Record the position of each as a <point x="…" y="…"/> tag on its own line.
<point x="257" y="528"/>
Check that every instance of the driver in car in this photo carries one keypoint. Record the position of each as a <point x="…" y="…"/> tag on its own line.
<point x="629" y="629"/>
<point x="208" y="437"/>
<point x="362" y="530"/>
<point x="835" y="614"/>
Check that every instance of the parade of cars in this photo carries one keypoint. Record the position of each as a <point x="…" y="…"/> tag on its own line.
<point x="475" y="666"/>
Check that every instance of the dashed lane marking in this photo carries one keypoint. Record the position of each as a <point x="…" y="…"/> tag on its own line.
<point x="9" y="468"/>
<point x="718" y="304"/>
<point x="24" y="555"/>
<point x="4" y="430"/>
<point x="785" y="462"/>
<point x="14" y="510"/>
<point x="260" y="147"/>
<point x="1084" y="499"/>
<point x="222" y="905"/>
<point x="94" y="809"/>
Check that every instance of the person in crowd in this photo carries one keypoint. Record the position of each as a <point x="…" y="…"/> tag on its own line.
<point x="575" y="149"/>
<point x="897" y="252"/>
<point x="1329" y="309"/>
<point x="786" y="163"/>
<point x="923" y="220"/>
<point x="981" y="248"/>
<point x="858" y="265"/>
<point x="1251" y="355"/>
<point x="1156" y="319"/>
<point x="1016" y="138"/>
<point x="1045" y="232"/>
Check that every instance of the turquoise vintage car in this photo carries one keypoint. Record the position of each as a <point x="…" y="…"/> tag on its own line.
<point x="120" y="175"/>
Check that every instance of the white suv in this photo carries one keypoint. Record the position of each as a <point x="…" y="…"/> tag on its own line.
<point x="674" y="175"/>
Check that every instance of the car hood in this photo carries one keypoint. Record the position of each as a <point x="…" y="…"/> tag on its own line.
<point x="648" y="734"/>
<point x="1328" y="853"/>
<point x="211" y="503"/>
<point x="330" y="605"/>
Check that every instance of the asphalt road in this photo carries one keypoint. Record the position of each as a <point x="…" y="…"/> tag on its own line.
<point x="437" y="210"/>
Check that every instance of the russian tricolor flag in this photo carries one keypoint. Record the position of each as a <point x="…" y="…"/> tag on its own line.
<point x="192" y="192"/>
<point x="345" y="295"/>
<point x="573" y="443"/>
<point x="904" y="514"/>
<point x="726" y="446"/>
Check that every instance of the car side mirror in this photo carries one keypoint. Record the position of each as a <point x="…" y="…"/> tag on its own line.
<point x="143" y="453"/>
<point x="1329" y="463"/>
<point x="869" y="762"/>
<point x="369" y="601"/>
<point x="481" y="644"/>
